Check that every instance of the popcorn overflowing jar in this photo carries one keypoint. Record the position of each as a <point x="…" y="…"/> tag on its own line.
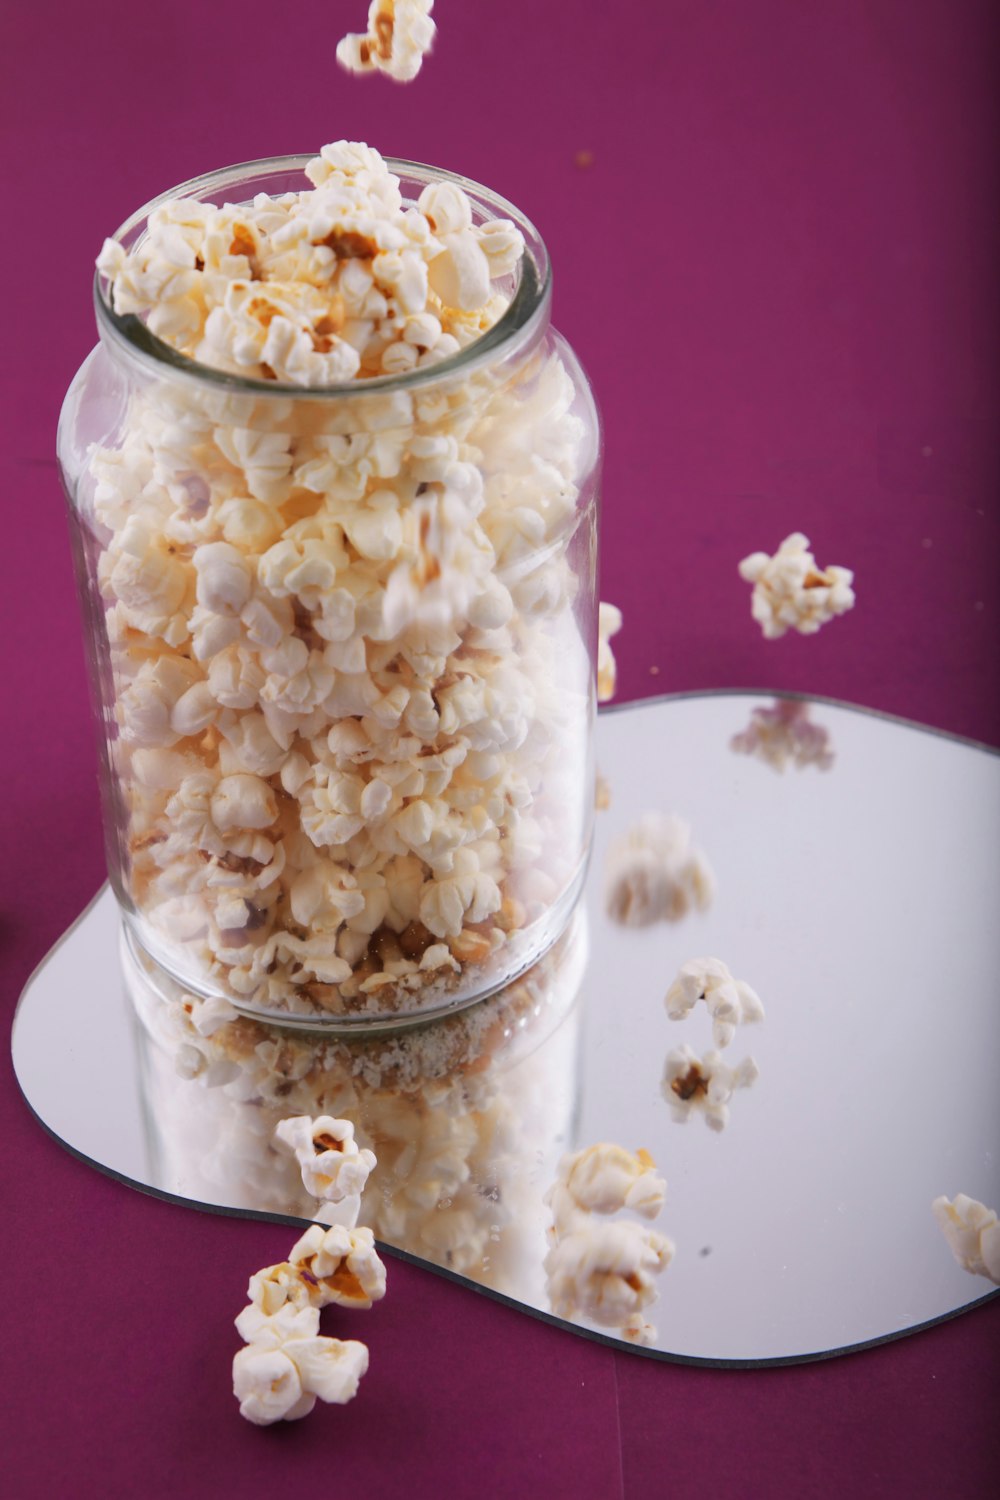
<point x="333" y="484"/>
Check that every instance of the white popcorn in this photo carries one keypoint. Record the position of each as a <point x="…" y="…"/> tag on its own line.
<point x="783" y="732"/>
<point x="609" y="622"/>
<point x="243" y="801"/>
<point x="332" y="1165"/>
<point x="973" y="1234"/>
<point x="703" y="1085"/>
<point x="286" y="1365"/>
<point x="603" y="1179"/>
<point x="654" y="873"/>
<point x="399" y="36"/>
<point x="791" y="592"/>
<point x="342" y="1263"/>
<point x="605" y="1271"/>
<point x="731" y="1002"/>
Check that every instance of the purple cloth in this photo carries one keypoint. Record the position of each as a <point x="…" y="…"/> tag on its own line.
<point x="779" y="270"/>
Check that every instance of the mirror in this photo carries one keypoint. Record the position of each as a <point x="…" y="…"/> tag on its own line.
<point x="842" y="864"/>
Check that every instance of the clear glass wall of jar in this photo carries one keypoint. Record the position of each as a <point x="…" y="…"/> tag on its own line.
<point x="341" y="644"/>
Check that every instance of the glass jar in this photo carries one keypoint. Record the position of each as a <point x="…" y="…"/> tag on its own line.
<point x="350" y="782"/>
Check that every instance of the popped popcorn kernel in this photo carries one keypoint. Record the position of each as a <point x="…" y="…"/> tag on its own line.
<point x="973" y="1234"/>
<point x="792" y="592"/>
<point x="286" y="1365"/>
<point x="609" y="622"/>
<point x="599" y="1268"/>
<point x="332" y="1165"/>
<point x="730" y="1002"/>
<point x="399" y="36"/>
<point x="783" y="733"/>
<point x="704" y="1085"/>
<point x="654" y="873"/>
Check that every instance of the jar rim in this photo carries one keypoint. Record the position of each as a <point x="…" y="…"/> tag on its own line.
<point x="522" y="320"/>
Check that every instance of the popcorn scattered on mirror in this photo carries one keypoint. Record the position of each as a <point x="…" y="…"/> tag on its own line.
<point x="704" y="1085"/>
<point x="654" y="873"/>
<point x="399" y="36"/>
<point x="791" y="592"/>
<point x="783" y="733"/>
<point x="973" y="1234"/>
<point x="332" y="1166"/>
<point x="730" y="1002"/>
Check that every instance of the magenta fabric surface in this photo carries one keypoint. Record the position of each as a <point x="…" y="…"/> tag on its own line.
<point x="779" y="270"/>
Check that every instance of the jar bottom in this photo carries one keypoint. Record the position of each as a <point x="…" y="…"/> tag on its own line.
<point x="523" y="950"/>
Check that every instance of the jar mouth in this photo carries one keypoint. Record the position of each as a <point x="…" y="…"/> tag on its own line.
<point x="516" y="330"/>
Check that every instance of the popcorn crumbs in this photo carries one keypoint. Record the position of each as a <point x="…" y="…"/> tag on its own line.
<point x="791" y="592"/>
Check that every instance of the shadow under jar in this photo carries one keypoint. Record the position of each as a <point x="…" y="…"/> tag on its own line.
<point x="354" y="785"/>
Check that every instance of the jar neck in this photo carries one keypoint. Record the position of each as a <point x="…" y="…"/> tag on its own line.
<point x="497" y="355"/>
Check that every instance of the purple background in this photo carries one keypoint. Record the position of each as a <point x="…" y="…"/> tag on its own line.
<point x="779" y="271"/>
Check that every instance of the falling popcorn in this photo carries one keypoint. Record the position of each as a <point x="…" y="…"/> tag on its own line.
<point x="286" y="1365"/>
<point x="400" y="34"/>
<point x="332" y="1165"/>
<point x="703" y="1085"/>
<point x="730" y="1002"/>
<point x="791" y="592"/>
<point x="599" y="1268"/>
<point x="973" y="1234"/>
<point x="655" y="874"/>
<point x="783" y="732"/>
<point x="609" y="622"/>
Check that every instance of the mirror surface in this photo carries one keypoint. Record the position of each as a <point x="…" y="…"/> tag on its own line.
<point x="856" y="870"/>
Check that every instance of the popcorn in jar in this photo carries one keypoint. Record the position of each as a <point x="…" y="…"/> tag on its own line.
<point x="333" y="485"/>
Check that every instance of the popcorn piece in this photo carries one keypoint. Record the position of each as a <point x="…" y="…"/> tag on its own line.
<point x="655" y="874"/>
<point x="783" y="732"/>
<point x="332" y="1165"/>
<point x="730" y="1001"/>
<point x="603" y="1179"/>
<point x="286" y="1365"/>
<point x="605" y="1272"/>
<point x="609" y="622"/>
<point x="343" y="1263"/>
<point x="399" y="36"/>
<point x="704" y="1085"/>
<point x="791" y="592"/>
<point x="973" y="1234"/>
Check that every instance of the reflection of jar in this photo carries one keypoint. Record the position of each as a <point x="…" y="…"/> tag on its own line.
<point x="350" y="779"/>
<point x="468" y="1115"/>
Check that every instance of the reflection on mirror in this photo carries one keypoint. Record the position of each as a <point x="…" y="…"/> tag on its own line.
<point x="711" y="1122"/>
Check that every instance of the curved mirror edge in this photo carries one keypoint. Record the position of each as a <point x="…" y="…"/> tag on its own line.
<point x="608" y="1339"/>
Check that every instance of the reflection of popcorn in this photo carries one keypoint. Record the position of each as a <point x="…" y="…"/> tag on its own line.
<point x="286" y="1365"/>
<point x="655" y="874"/>
<point x="783" y="732"/>
<point x="609" y="622"/>
<point x="703" y="1085"/>
<point x="605" y="1271"/>
<point x="790" y="591"/>
<point x="345" y="663"/>
<point x="730" y="1001"/>
<point x="973" y="1234"/>
<point x="603" y="1179"/>
<point x="400" y="33"/>
<point x="332" y="1166"/>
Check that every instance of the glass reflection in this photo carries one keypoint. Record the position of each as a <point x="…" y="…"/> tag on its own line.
<point x="468" y="1116"/>
<point x="784" y="733"/>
